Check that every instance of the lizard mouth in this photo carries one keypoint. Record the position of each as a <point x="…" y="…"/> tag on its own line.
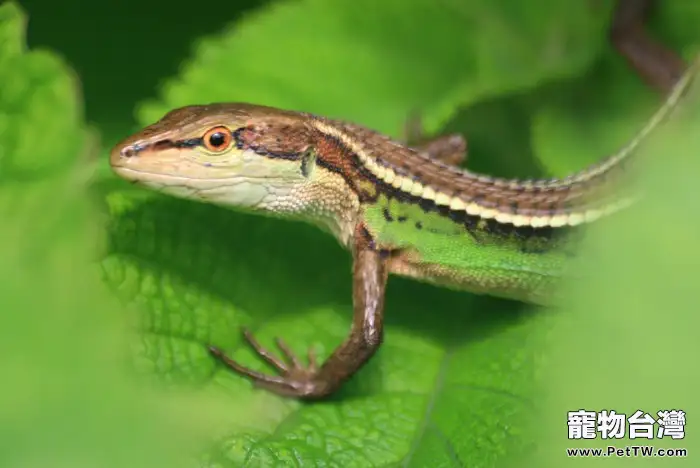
<point x="145" y="176"/>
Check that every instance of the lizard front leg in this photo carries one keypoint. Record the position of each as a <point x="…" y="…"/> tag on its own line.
<point x="370" y="273"/>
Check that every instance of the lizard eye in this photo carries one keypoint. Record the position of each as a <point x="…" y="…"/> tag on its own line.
<point x="217" y="139"/>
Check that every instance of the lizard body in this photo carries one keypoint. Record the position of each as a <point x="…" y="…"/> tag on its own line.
<point x="400" y="209"/>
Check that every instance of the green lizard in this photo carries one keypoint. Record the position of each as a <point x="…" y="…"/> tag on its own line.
<point x="400" y="210"/>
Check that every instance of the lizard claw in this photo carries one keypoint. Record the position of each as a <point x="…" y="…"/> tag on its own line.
<point x="294" y="379"/>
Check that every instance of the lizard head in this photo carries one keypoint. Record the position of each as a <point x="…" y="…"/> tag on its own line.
<point x="239" y="155"/>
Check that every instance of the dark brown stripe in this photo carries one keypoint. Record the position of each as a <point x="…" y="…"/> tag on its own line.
<point x="334" y="156"/>
<point x="241" y="143"/>
<point x="352" y="163"/>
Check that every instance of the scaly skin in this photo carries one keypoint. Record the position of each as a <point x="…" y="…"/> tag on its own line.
<point x="400" y="210"/>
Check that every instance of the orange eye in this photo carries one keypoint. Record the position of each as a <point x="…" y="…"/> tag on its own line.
<point x="217" y="139"/>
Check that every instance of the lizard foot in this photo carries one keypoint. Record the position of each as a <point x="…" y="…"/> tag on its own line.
<point x="295" y="379"/>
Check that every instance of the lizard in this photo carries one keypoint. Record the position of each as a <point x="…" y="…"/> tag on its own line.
<point x="400" y="209"/>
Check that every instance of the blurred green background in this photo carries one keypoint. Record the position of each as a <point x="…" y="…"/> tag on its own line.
<point x="123" y="50"/>
<point x="109" y="293"/>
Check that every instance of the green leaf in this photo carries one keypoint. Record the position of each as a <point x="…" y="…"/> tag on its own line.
<point x="376" y="63"/>
<point x="606" y="117"/>
<point x="197" y="274"/>
<point x="677" y="22"/>
<point x="633" y="322"/>
<point x="33" y="91"/>
<point x="65" y="400"/>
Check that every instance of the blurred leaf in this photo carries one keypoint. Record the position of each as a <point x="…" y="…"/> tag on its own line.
<point x="678" y="23"/>
<point x="627" y="340"/>
<point x="33" y="92"/>
<point x="606" y="117"/>
<point x="65" y="399"/>
<point x="610" y="112"/>
<point x="377" y="62"/>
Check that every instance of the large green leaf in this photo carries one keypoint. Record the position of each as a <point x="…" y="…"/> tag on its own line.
<point x="65" y="400"/>
<point x="634" y="320"/>
<point x="376" y="62"/>
<point x="455" y="381"/>
<point x="35" y="141"/>
<point x="198" y="273"/>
